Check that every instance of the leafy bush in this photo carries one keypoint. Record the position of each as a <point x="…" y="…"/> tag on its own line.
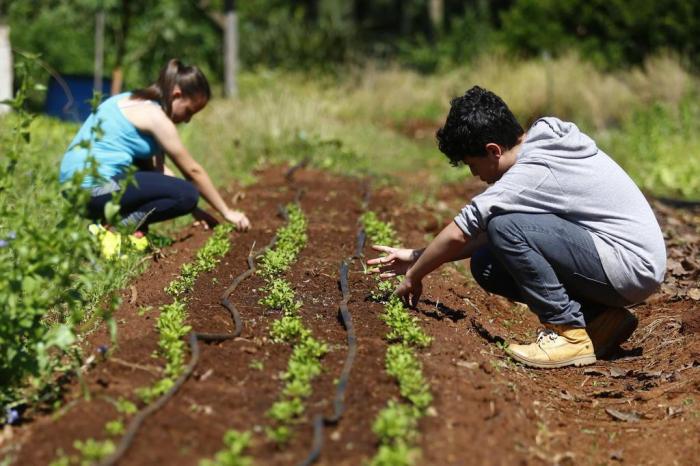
<point x="612" y="33"/>
<point x="51" y="277"/>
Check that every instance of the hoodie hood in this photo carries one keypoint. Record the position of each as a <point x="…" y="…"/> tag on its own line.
<point x="555" y="138"/>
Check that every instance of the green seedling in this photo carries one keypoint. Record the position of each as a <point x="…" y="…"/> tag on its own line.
<point x="396" y="425"/>
<point x="396" y="422"/>
<point x="395" y="454"/>
<point x="93" y="450"/>
<point x="405" y="367"/>
<point x="256" y="364"/>
<point x="115" y="427"/>
<point x="143" y="310"/>
<point x="232" y="455"/>
<point x="280" y="434"/>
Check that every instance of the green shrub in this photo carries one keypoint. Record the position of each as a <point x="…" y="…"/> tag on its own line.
<point x="51" y="276"/>
<point x="612" y="33"/>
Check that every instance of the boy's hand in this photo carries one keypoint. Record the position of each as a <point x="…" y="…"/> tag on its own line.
<point x="396" y="262"/>
<point x="409" y="291"/>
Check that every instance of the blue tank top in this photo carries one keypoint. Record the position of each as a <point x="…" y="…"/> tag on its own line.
<point x="119" y="145"/>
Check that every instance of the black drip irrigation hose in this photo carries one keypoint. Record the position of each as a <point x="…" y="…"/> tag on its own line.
<point x="366" y="195"/>
<point x="289" y="175"/>
<point x="339" y="402"/>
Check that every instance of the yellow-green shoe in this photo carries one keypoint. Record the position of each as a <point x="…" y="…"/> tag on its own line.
<point x="110" y="242"/>
<point x="139" y="243"/>
<point x="556" y="346"/>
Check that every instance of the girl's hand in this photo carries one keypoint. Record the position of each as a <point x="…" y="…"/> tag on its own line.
<point x="238" y="218"/>
<point x="396" y="262"/>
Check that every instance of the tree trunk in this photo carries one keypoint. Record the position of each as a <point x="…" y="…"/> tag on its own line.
<point x="118" y="73"/>
<point x="230" y="49"/>
<point x="99" y="49"/>
<point x="436" y="11"/>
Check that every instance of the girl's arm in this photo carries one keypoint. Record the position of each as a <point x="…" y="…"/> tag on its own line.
<point x="165" y="132"/>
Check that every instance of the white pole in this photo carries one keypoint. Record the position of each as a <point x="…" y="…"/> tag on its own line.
<point x="230" y="49"/>
<point x="5" y="67"/>
<point x="99" y="49"/>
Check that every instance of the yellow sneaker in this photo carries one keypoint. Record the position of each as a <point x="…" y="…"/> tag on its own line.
<point x="110" y="242"/>
<point x="556" y="346"/>
<point x="139" y="243"/>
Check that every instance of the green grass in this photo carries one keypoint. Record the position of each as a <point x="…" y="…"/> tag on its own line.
<point x="661" y="146"/>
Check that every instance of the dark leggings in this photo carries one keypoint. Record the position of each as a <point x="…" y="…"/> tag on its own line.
<point x="153" y="197"/>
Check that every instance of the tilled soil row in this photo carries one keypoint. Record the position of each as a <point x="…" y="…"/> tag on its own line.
<point x="228" y="388"/>
<point x="640" y="407"/>
<point x="486" y="409"/>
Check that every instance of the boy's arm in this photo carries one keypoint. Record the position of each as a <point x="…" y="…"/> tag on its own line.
<point x="473" y="244"/>
<point x="398" y="261"/>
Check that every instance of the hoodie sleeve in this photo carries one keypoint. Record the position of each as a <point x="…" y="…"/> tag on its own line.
<point x="527" y="187"/>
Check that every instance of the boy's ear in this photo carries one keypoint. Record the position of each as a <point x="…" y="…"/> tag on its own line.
<point x="493" y="150"/>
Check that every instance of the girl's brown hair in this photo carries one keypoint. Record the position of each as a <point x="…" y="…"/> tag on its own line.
<point x="189" y="79"/>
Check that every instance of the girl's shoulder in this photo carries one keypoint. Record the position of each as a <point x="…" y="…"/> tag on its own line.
<point x="127" y="99"/>
<point x="144" y="114"/>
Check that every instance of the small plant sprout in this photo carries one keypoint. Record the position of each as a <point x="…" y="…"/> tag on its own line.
<point x="256" y="364"/>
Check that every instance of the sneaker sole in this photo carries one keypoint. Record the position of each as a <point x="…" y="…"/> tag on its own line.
<point x="576" y="362"/>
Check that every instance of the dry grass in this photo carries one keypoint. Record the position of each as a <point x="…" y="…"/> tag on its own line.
<point x="566" y="87"/>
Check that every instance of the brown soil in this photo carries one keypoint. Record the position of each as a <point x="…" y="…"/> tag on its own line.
<point x="487" y="410"/>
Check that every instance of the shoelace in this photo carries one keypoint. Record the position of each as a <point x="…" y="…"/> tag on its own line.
<point x="542" y="335"/>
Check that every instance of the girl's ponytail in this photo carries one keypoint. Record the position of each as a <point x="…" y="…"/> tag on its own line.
<point x="190" y="79"/>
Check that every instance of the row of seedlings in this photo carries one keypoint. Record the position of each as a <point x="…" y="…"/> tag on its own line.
<point x="171" y="328"/>
<point x="396" y="425"/>
<point x="304" y="362"/>
<point x="172" y="317"/>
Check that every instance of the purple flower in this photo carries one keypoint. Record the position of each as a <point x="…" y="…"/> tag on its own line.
<point x="102" y="349"/>
<point x="12" y="416"/>
<point x="3" y="243"/>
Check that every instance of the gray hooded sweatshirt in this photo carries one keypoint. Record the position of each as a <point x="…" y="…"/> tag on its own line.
<point x="559" y="170"/>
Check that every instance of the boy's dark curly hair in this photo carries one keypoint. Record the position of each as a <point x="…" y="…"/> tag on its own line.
<point x="476" y="119"/>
